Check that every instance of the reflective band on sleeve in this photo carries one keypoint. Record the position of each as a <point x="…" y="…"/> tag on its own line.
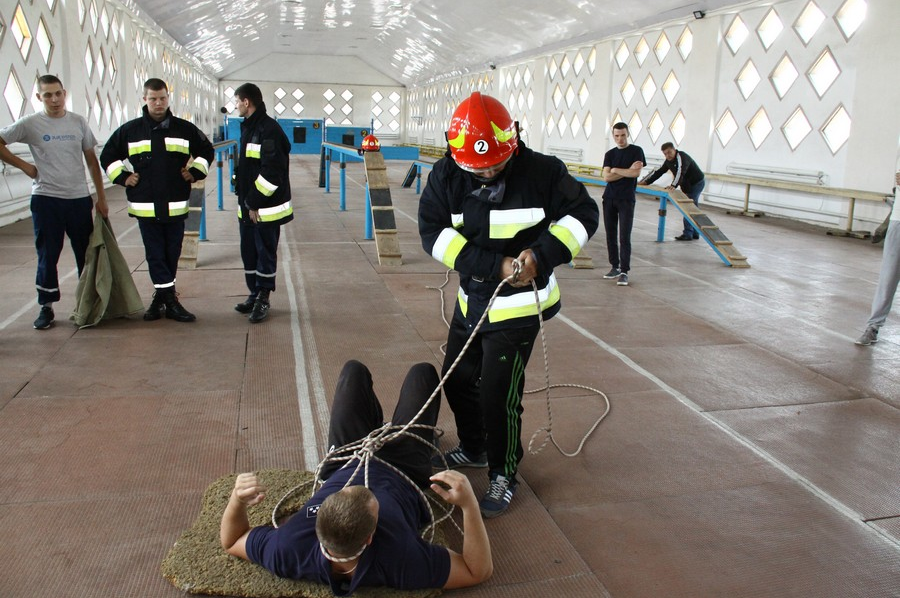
<point x="115" y="169"/>
<point x="265" y="187"/>
<point x="201" y="164"/>
<point x="447" y="247"/>
<point x="457" y="221"/>
<point x="522" y="303"/>
<point x="253" y="150"/>
<point x="571" y="232"/>
<point x="177" y="144"/>
<point x="276" y="213"/>
<point x="505" y="224"/>
<point x="138" y="147"/>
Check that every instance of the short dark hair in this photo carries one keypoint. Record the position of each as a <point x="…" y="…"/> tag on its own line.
<point x="249" y="91"/>
<point x="154" y="84"/>
<point x="49" y="80"/>
<point x="667" y="145"/>
<point x="620" y="125"/>
<point x="345" y="521"/>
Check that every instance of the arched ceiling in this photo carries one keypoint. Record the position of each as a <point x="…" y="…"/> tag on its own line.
<point x="408" y="41"/>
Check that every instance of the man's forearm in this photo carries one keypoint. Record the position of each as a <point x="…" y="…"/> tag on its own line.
<point x="476" y="546"/>
<point x="12" y="159"/>
<point x="234" y="523"/>
<point x="97" y="177"/>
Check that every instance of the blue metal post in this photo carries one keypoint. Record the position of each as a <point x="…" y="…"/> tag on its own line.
<point x="418" y="178"/>
<point x="661" y="229"/>
<point x="327" y="170"/>
<point x="203" y="217"/>
<point x="368" y="214"/>
<point x="231" y="153"/>
<point x="343" y="183"/>
<point x="220" y="195"/>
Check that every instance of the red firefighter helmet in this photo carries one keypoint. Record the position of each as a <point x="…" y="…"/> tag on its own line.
<point x="370" y="143"/>
<point x="481" y="134"/>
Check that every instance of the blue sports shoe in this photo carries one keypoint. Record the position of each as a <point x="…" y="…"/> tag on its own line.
<point x="459" y="457"/>
<point x="496" y="500"/>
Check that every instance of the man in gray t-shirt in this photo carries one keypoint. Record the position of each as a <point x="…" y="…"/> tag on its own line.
<point x="60" y="201"/>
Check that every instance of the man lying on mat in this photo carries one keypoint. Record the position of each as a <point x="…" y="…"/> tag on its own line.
<point x="367" y="536"/>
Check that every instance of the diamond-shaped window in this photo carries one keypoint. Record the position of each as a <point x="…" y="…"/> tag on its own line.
<point x="641" y="50"/>
<point x="685" y="43"/>
<point x="112" y="70"/>
<point x="635" y="125"/>
<point x="394" y="97"/>
<point x="552" y="68"/>
<point x="229" y="92"/>
<point x="836" y="129"/>
<point x="622" y="54"/>
<point x="736" y="35"/>
<point x="328" y="109"/>
<point x="297" y="108"/>
<point x="588" y="125"/>
<point x="114" y="26"/>
<point x="617" y="118"/>
<point x="89" y="61"/>
<point x="108" y="112"/>
<point x="97" y="109"/>
<point x="551" y="124"/>
<point x="592" y="61"/>
<point x="796" y="128"/>
<point x="823" y="72"/>
<point x="347" y="95"/>
<point x="36" y="104"/>
<point x="279" y="108"/>
<point x="575" y="126"/>
<point x="81" y="12"/>
<point x="93" y="16"/>
<point x="12" y="93"/>
<point x="770" y="28"/>
<point x="51" y="4"/>
<point x="394" y="110"/>
<point x="628" y="89"/>
<point x="809" y="22"/>
<point x="529" y="99"/>
<point x="850" y="16"/>
<point x="377" y="97"/>
<point x="662" y="47"/>
<point x="783" y="76"/>
<point x="101" y="65"/>
<point x="565" y="66"/>
<point x="280" y="93"/>
<point x="570" y="96"/>
<point x="726" y="127"/>
<point x="347" y="109"/>
<point x="655" y="126"/>
<point x="578" y="63"/>
<point x="328" y="94"/>
<point x="557" y="96"/>
<point x="44" y="43"/>
<point x="670" y="87"/>
<point x="526" y="77"/>
<point x="583" y="94"/>
<point x="648" y="89"/>
<point x="678" y="127"/>
<point x="376" y="110"/>
<point x="561" y="125"/>
<point x="21" y="32"/>
<point x="104" y="22"/>
<point x="748" y="79"/>
<point x="759" y="127"/>
<point x="297" y="94"/>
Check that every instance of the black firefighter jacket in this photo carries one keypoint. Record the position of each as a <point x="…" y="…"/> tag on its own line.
<point x="262" y="172"/>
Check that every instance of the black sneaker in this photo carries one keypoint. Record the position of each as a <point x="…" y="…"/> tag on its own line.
<point x="246" y="306"/>
<point x="45" y="318"/>
<point x="614" y="273"/>
<point x="459" y="457"/>
<point x="500" y="493"/>
<point x="260" y="307"/>
<point x="623" y="279"/>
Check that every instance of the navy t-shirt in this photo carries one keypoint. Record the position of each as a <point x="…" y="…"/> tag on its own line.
<point x="622" y="158"/>
<point x="397" y="558"/>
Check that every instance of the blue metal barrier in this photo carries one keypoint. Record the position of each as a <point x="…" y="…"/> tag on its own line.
<point x="221" y="148"/>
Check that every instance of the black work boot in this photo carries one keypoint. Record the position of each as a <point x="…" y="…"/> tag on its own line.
<point x="246" y="306"/>
<point x="174" y="309"/>
<point x="260" y="306"/>
<point x="157" y="307"/>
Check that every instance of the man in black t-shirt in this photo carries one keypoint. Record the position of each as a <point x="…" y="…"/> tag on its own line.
<point x="685" y="174"/>
<point x="621" y="167"/>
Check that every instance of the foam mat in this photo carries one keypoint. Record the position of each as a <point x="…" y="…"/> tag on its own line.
<point x="197" y="564"/>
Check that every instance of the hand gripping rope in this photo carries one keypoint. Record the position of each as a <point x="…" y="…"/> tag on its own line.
<point x="364" y="449"/>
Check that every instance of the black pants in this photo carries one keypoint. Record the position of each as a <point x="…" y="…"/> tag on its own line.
<point x="356" y="411"/>
<point x="485" y="392"/>
<point x="259" y="247"/>
<point x="53" y="220"/>
<point x="618" y="218"/>
<point x="162" y="248"/>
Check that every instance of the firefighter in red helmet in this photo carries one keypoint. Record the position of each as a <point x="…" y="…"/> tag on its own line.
<point x="494" y="209"/>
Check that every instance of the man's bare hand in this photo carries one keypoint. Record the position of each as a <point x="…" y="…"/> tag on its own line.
<point x="30" y="170"/>
<point x="454" y="487"/>
<point x="254" y="216"/>
<point x="132" y="180"/>
<point x="248" y="490"/>
<point x="186" y="175"/>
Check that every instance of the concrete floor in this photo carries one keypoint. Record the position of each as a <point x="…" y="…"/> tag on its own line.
<point x="751" y="449"/>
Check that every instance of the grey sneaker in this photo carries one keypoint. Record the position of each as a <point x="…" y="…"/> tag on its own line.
<point x="869" y="337"/>
<point x="614" y="273"/>
<point x="623" y="279"/>
<point x="459" y="457"/>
